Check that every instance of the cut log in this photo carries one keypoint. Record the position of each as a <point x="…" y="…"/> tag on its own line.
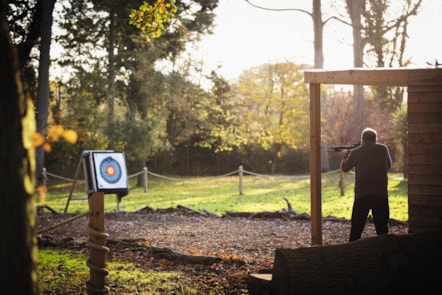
<point x="386" y="264"/>
<point x="259" y="284"/>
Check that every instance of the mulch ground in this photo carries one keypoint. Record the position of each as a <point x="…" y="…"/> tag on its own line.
<point x="243" y="243"/>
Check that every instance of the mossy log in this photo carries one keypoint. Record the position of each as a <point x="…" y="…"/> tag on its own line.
<point x="392" y="264"/>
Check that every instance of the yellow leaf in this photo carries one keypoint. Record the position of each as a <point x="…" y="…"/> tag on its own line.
<point x="37" y="139"/>
<point x="55" y="132"/>
<point x="70" y="136"/>
<point x="47" y="147"/>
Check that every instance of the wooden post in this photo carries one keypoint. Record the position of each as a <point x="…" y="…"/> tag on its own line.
<point x="315" y="164"/>
<point x="118" y="200"/>
<point x="240" y="173"/>
<point x="96" y="242"/>
<point x="342" y="182"/>
<point x="145" y="180"/>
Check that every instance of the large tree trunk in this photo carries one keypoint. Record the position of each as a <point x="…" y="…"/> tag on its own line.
<point x="408" y="264"/>
<point x="18" y="248"/>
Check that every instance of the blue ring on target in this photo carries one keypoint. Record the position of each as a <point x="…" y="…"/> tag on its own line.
<point x="110" y="170"/>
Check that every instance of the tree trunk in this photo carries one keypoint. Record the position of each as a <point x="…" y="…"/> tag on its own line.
<point x="42" y="107"/>
<point x="355" y="12"/>
<point x="385" y="264"/>
<point x="18" y="248"/>
<point x="141" y="166"/>
<point x="111" y="79"/>
<point x="318" y="29"/>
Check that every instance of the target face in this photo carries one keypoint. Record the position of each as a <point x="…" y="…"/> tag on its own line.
<point x="110" y="171"/>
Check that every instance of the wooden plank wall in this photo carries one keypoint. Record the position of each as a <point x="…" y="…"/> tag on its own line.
<point x="425" y="158"/>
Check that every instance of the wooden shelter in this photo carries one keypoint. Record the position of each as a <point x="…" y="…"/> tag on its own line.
<point x="424" y="87"/>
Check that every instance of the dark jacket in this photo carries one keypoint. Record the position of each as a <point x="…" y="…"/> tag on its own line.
<point x="371" y="162"/>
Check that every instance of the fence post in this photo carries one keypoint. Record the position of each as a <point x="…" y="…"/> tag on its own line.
<point x="342" y="183"/>
<point x="45" y="177"/>
<point x="240" y="173"/>
<point x="145" y="179"/>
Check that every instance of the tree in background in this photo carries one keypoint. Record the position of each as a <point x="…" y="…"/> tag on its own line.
<point x="376" y="25"/>
<point x="337" y="118"/>
<point x="135" y="87"/>
<point x="274" y="108"/>
<point x="379" y="30"/>
<point x="223" y="121"/>
<point x="400" y="132"/>
<point x="318" y="27"/>
<point x="338" y="121"/>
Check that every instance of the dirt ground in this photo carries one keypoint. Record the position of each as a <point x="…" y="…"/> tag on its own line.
<point x="244" y="244"/>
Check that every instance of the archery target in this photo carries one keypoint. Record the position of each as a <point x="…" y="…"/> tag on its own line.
<point x="110" y="171"/>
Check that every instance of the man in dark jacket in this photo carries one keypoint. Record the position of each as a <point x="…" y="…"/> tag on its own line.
<point x="371" y="162"/>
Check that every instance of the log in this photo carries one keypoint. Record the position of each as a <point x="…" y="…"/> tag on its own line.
<point x="169" y="254"/>
<point x="166" y="253"/>
<point x="386" y="264"/>
<point x="259" y="284"/>
<point x="283" y="214"/>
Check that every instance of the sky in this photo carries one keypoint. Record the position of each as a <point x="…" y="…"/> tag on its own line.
<point x="245" y="36"/>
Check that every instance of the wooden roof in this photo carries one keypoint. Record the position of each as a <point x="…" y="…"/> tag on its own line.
<point x="376" y="77"/>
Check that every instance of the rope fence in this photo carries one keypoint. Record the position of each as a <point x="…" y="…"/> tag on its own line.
<point x="241" y="172"/>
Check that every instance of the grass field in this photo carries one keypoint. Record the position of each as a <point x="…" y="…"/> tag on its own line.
<point x="65" y="271"/>
<point x="222" y="194"/>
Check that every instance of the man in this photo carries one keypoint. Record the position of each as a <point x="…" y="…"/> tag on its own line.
<point x="371" y="161"/>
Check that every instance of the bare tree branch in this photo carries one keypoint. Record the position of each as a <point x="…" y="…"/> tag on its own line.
<point x="279" y="9"/>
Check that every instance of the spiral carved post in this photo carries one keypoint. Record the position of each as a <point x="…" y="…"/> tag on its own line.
<point x="96" y="244"/>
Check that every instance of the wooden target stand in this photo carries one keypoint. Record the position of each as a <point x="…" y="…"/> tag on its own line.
<point x="105" y="173"/>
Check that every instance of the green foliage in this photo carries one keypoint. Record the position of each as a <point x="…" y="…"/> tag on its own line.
<point x="274" y="108"/>
<point x="223" y="119"/>
<point x="151" y="19"/>
<point x="62" y="271"/>
<point x="221" y="194"/>
<point x="144" y="112"/>
<point x="65" y="272"/>
<point x="274" y="102"/>
<point x="400" y="133"/>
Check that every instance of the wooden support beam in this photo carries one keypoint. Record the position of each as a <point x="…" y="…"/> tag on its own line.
<point x="376" y="77"/>
<point x="315" y="163"/>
